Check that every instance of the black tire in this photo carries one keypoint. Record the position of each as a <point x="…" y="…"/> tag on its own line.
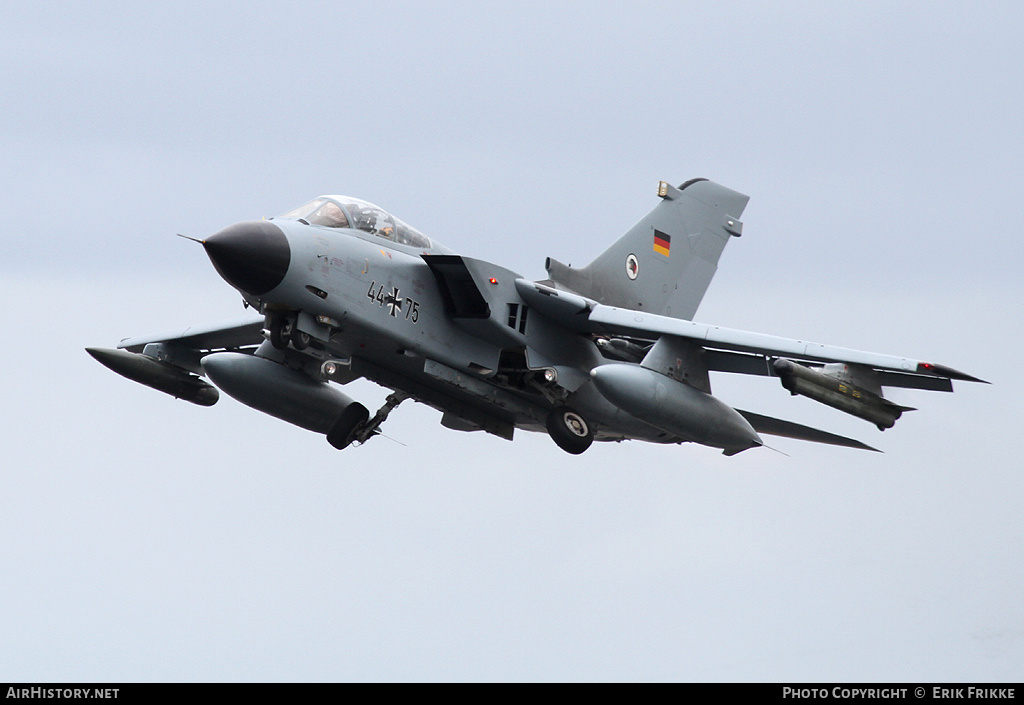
<point x="300" y="339"/>
<point x="569" y="430"/>
<point x="354" y="415"/>
<point x="278" y="332"/>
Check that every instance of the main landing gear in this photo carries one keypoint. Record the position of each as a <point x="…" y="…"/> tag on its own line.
<point x="569" y="430"/>
<point x="343" y="432"/>
<point x="355" y="424"/>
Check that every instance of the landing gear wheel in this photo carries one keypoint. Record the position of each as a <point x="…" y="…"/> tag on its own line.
<point x="300" y="339"/>
<point x="280" y="330"/>
<point x="569" y="430"/>
<point x="354" y="415"/>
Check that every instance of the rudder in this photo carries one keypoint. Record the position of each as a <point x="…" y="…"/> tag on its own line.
<point x="664" y="263"/>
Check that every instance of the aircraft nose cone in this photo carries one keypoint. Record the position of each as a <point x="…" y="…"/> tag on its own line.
<point x="251" y="256"/>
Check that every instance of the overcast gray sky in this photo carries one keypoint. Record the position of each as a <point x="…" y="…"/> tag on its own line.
<point x="144" y="538"/>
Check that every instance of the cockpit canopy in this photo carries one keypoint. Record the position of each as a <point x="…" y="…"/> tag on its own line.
<point x="345" y="212"/>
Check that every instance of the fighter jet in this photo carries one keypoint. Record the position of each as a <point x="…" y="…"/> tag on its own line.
<point x="341" y="290"/>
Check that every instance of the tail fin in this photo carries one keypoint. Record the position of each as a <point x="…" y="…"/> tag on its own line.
<point x="665" y="262"/>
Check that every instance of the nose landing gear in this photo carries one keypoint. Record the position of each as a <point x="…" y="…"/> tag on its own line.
<point x="281" y="329"/>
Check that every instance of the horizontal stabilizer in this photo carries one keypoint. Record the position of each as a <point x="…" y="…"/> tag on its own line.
<point x="788" y="429"/>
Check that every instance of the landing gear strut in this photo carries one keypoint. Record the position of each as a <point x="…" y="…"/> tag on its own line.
<point x="569" y="430"/>
<point x="355" y="424"/>
<point x="372" y="427"/>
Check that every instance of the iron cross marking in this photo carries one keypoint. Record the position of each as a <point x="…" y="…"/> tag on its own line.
<point x="394" y="301"/>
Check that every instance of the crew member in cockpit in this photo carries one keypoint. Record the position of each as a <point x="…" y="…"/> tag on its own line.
<point x="331" y="215"/>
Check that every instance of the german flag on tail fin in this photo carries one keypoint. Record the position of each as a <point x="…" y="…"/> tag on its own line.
<point x="662" y="243"/>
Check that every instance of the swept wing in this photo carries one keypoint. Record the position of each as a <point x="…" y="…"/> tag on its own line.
<point x="731" y="350"/>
